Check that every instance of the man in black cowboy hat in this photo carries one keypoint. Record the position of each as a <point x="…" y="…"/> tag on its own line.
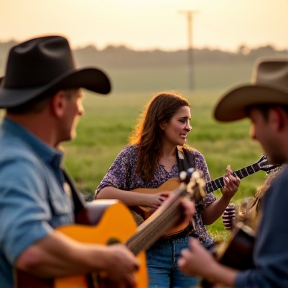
<point x="42" y="97"/>
<point x="41" y="94"/>
<point x="265" y="102"/>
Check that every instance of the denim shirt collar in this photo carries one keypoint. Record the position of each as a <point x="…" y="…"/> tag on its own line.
<point x="46" y="153"/>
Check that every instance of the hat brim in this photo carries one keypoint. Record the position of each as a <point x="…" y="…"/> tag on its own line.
<point x="91" y="79"/>
<point x="233" y="105"/>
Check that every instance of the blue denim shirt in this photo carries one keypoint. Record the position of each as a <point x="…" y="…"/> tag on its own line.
<point x="32" y="199"/>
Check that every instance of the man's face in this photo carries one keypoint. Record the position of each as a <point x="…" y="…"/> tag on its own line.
<point x="265" y="131"/>
<point x="73" y="110"/>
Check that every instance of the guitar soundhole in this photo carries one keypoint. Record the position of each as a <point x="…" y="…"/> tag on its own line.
<point x="101" y="281"/>
<point x="25" y="280"/>
<point x="112" y="241"/>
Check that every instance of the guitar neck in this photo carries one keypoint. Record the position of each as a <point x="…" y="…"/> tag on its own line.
<point x="241" y="173"/>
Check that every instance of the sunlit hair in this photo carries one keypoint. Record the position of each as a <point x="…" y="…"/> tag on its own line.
<point x="148" y="133"/>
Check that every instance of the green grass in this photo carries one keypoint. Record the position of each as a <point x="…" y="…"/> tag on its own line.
<point x="108" y="121"/>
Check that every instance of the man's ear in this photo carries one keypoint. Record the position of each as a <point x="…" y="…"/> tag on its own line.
<point x="58" y="104"/>
<point x="277" y="118"/>
<point x="282" y="118"/>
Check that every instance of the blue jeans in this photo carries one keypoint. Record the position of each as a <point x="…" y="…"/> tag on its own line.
<point x="162" y="265"/>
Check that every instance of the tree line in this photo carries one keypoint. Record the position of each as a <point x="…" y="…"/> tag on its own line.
<point x="124" y="57"/>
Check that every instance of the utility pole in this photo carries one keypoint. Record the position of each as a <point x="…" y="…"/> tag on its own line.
<point x="189" y="15"/>
<point x="0" y="58"/>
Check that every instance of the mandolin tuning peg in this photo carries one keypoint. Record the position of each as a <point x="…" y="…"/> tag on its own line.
<point x="183" y="175"/>
<point x="190" y="187"/>
<point x="201" y="184"/>
<point x="190" y="172"/>
<point x="197" y="174"/>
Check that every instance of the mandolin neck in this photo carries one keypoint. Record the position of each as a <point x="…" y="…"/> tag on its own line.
<point x="241" y="173"/>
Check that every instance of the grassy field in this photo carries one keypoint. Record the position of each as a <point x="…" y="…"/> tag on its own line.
<point x="206" y="76"/>
<point x="108" y="121"/>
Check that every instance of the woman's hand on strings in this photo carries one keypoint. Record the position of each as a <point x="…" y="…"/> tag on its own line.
<point x="231" y="183"/>
<point x="154" y="201"/>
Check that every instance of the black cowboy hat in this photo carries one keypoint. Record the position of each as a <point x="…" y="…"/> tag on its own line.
<point x="45" y="65"/>
<point x="269" y="86"/>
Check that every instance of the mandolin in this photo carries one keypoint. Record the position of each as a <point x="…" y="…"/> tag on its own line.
<point x="110" y="221"/>
<point x="211" y="186"/>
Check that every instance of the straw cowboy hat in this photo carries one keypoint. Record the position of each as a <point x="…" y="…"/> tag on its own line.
<point x="269" y="86"/>
<point x="45" y="65"/>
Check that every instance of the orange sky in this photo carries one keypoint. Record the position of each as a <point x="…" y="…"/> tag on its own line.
<point x="143" y="24"/>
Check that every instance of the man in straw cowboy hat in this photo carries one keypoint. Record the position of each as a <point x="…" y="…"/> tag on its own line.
<point x="265" y="102"/>
<point x="41" y="94"/>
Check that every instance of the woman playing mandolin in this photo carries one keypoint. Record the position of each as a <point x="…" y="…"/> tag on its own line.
<point x="155" y="154"/>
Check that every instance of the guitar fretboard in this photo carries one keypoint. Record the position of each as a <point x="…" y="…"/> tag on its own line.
<point x="242" y="173"/>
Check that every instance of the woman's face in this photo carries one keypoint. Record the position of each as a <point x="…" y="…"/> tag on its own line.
<point x="178" y="127"/>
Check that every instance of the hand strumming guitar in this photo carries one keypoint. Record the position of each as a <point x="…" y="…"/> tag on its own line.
<point x="121" y="262"/>
<point x="198" y="261"/>
<point x="154" y="201"/>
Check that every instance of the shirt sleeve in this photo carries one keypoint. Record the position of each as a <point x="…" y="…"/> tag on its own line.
<point x="24" y="209"/>
<point x="118" y="173"/>
<point x="200" y="163"/>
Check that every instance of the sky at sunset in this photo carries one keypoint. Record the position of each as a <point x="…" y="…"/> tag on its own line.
<point x="149" y="24"/>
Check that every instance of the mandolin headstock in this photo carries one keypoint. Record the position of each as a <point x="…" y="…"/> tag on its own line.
<point x="195" y="184"/>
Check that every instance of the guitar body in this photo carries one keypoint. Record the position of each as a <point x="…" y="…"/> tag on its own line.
<point x="168" y="186"/>
<point x="116" y="223"/>
<point x="211" y="186"/>
<point x="236" y="253"/>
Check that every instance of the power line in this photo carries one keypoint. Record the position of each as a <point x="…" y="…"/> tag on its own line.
<point x="189" y="16"/>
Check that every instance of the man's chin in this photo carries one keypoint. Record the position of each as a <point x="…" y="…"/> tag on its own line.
<point x="276" y="159"/>
<point x="68" y="138"/>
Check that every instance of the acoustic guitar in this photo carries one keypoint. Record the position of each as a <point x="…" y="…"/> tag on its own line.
<point x="236" y="253"/>
<point x="110" y="221"/>
<point x="211" y="186"/>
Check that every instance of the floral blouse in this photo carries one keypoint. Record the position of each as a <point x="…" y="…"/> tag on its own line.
<point x="122" y="175"/>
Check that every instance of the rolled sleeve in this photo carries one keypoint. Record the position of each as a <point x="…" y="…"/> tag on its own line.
<point x="201" y="164"/>
<point x="24" y="209"/>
